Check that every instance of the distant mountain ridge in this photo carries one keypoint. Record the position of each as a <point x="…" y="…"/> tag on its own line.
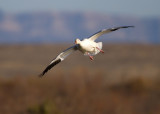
<point x="43" y="27"/>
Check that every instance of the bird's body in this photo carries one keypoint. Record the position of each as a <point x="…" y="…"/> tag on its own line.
<point x="87" y="46"/>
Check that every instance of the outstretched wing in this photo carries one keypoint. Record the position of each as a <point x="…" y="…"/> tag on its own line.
<point x="59" y="58"/>
<point x="104" y="31"/>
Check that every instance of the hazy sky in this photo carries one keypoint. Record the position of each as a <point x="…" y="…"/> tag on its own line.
<point x="142" y="8"/>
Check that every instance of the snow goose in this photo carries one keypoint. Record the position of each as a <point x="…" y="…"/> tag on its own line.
<point x="87" y="46"/>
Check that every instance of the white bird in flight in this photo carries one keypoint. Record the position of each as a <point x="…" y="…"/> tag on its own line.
<point x="87" y="46"/>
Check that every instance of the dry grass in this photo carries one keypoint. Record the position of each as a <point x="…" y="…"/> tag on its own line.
<point x="70" y="94"/>
<point x="124" y="80"/>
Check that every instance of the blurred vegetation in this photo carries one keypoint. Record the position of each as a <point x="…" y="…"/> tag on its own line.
<point x="124" y="80"/>
<point x="46" y="107"/>
<point x="90" y="94"/>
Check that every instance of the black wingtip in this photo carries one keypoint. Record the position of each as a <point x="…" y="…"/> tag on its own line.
<point x="124" y="27"/>
<point x="128" y="26"/>
<point x="116" y="28"/>
<point x="44" y="72"/>
<point x="41" y="75"/>
<point x="49" y="67"/>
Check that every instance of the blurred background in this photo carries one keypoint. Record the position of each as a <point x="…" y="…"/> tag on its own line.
<point x="123" y="80"/>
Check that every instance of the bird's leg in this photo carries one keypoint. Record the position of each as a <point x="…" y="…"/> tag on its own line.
<point x="100" y="50"/>
<point x="91" y="57"/>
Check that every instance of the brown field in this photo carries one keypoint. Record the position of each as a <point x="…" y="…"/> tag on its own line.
<point x="123" y="80"/>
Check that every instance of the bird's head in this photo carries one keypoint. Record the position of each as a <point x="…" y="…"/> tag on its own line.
<point x="77" y="41"/>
